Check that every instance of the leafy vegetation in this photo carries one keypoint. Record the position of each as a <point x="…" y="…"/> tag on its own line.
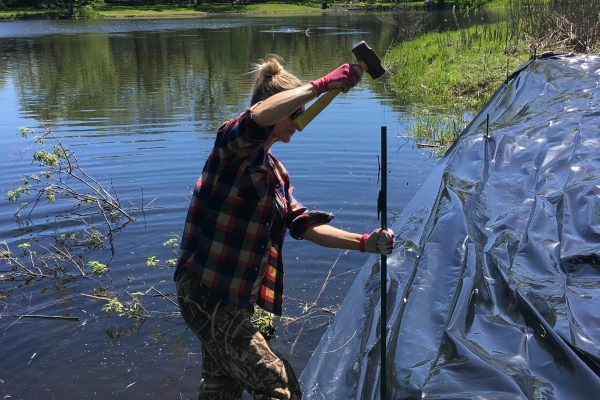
<point x="155" y="262"/>
<point x="60" y="174"/>
<point x="463" y="4"/>
<point x="113" y="306"/>
<point x="34" y="9"/>
<point x="263" y="321"/>
<point x="98" y="268"/>
<point x="59" y="178"/>
<point x="461" y="69"/>
<point x="48" y="9"/>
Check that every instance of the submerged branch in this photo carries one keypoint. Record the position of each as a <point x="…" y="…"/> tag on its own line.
<point x="45" y="317"/>
<point x="311" y="309"/>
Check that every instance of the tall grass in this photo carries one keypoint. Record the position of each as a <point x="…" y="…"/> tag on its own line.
<point x="461" y="69"/>
<point x="455" y="69"/>
<point x="563" y="25"/>
<point x="446" y="73"/>
<point x="437" y="131"/>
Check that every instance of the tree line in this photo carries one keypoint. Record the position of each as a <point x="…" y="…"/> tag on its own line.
<point x="59" y="8"/>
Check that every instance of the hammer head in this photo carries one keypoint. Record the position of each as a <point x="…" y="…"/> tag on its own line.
<point x="365" y="55"/>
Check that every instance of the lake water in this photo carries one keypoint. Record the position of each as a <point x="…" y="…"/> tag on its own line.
<point x="139" y="102"/>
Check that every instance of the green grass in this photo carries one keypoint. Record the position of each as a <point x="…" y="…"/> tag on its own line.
<point x="112" y="11"/>
<point x="457" y="70"/>
<point x="165" y="11"/>
<point x="158" y="11"/>
<point x="445" y="74"/>
<point x="265" y="7"/>
<point x="436" y="130"/>
<point x="172" y="11"/>
<point x="26" y="13"/>
<point x="372" y="5"/>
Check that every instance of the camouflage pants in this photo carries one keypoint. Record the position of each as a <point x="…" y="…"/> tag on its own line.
<point x="235" y="355"/>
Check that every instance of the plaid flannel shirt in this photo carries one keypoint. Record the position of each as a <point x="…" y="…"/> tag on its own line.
<point x="228" y="231"/>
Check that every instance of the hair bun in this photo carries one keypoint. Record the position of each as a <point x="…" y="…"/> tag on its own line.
<point x="269" y="67"/>
<point x="271" y="77"/>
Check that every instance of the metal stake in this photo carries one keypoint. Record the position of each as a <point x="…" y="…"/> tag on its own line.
<point x="382" y="214"/>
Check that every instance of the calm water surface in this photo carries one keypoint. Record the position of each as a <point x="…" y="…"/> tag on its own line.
<point x="139" y="102"/>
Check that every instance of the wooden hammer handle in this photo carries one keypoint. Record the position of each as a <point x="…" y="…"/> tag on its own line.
<point x="314" y="110"/>
<point x="319" y="105"/>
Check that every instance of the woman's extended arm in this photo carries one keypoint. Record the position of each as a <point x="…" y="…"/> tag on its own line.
<point x="379" y="241"/>
<point x="282" y="104"/>
<point x="329" y="236"/>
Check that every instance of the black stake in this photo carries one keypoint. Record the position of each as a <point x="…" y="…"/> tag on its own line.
<point x="382" y="214"/>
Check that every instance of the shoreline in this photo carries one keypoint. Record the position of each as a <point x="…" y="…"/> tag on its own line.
<point x="228" y="13"/>
<point x="120" y="13"/>
<point x="202" y="14"/>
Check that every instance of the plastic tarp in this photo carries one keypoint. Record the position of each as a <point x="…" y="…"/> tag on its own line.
<point x="494" y="292"/>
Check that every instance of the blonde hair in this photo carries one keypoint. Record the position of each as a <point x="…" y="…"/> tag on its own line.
<point x="270" y="78"/>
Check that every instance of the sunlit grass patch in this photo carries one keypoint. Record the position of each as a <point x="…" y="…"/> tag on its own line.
<point x="158" y="11"/>
<point x="435" y="130"/>
<point x="25" y="13"/>
<point x="115" y="11"/>
<point x="455" y="69"/>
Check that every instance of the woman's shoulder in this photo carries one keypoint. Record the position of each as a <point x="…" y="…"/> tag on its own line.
<point x="234" y="122"/>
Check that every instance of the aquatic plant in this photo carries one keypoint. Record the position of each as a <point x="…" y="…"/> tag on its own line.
<point x="60" y="174"/>
<point x="97" y="267"/>
<point x="263" y="321"/>
<point x="152" y="261"/>
<point x="59" y="178"/>
<point x="113" y="306"/>
<point x="133" y="309"/>
<point x="435" y="130"/>
<point x="155" y="262"/>
<point x="173" y="244"/>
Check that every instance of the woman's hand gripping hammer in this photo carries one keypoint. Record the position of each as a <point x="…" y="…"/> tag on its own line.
<point x="341" y="80"/>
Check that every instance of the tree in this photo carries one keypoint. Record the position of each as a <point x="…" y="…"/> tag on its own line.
<point x="67" y="8"/>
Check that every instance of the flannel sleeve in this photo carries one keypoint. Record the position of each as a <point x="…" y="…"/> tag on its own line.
<point x="301" y="218"/>
<point x="241" y="135"/>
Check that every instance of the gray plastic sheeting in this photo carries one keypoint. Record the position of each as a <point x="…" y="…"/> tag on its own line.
<point x="494" y="292"/>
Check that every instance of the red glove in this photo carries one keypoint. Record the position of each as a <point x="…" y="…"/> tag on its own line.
<point x="379" y="241"/>
<point x="343" y="77"/>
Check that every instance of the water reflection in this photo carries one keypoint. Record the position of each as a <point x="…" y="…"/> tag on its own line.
<point x="195" y="72"/>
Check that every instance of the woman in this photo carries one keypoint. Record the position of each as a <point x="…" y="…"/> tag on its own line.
<point x="230" y="257"/>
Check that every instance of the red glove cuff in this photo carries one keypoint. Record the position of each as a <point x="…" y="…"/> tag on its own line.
<point x="361" y="242"/>
<point x="343" y="77"/>
<point x="320" y="84"/>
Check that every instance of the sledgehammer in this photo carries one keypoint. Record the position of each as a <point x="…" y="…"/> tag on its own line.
<point x="369" y="63"/>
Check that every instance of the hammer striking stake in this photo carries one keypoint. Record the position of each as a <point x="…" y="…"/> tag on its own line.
<point x="369" y="63"/>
